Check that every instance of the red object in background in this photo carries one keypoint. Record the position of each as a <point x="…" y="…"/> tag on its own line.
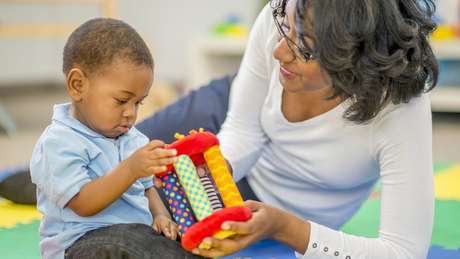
<point x="193" y="146"/>
<point x="210" y="225"/>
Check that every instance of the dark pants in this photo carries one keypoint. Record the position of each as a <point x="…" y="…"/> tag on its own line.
<point x="126" y="241"/>
<point x="130" y="241"/>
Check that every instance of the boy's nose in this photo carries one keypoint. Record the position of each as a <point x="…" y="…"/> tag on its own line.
<point x="130" y="111"/>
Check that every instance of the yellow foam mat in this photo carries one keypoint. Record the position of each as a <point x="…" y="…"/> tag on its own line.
<point x="13" y="214"/>
<point x="447" y="184"/>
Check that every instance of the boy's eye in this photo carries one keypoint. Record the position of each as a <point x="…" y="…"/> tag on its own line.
<point x="140" y="102"/>
<point x="120" y="101"/>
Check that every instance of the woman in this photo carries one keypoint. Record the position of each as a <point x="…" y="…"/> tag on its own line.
<point x="330" y="98"/>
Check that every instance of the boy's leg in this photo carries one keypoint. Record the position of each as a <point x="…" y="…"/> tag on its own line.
<point x="205" y="108"/>
<point x="126" y="241"/>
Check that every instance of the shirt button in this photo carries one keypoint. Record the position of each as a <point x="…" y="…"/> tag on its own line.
<point x="326" y="249"/>
<point x="315" y="245"/>
<point x="336" y="253"/>
<point x="348" y="257"/>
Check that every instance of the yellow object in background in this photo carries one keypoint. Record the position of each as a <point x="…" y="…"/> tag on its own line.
<point x="231" y="27"/>
<point x="237" y="31"/>
<point x="13" y="214"/>
<point x="444" y="32"/>
<point x="447" y="184"/>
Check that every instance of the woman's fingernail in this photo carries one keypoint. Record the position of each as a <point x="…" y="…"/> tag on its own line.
<point x="174" y="152"/>
<point x="195" y="251"/>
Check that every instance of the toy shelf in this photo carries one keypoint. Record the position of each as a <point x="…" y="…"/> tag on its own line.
<point x="212" y="57"/>
<point x="449" y="49"/>
<point x="229" y="46"/>
<point x="446" y="98"/>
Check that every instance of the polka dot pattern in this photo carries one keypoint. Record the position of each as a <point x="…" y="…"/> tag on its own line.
<point x="177" y="202"/>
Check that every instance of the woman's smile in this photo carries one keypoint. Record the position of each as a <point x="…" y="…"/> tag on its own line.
<point x="287" y="73"/>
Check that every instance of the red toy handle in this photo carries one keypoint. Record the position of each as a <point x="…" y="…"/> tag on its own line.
<point x="193" y="146"/>
<point x="210" y="225"/>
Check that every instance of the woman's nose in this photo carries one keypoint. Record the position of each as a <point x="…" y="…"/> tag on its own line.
<point x="282" y="52"/>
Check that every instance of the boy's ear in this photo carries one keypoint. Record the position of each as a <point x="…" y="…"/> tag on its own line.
<point x="77" y="82"/>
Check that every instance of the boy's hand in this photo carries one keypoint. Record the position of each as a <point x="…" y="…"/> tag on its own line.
<point x="163" y="224"/>
<point x="150" y="159"/>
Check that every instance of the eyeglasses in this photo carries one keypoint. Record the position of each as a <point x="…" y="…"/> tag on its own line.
<point x="279" y="16"/>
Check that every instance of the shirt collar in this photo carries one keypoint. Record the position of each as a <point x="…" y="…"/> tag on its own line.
<point x="61" y="114"/>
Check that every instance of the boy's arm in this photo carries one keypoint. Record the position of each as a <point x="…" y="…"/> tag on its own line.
<point x="156" y="204"/>
<point x="100" y="193"/>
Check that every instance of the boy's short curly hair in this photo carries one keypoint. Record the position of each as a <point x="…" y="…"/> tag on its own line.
<point x="98" y="42"/>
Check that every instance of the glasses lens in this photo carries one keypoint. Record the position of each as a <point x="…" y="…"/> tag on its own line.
<point x="279" y="20"/>
<point x="295" y="49"/>
<point x="279" y="25"/>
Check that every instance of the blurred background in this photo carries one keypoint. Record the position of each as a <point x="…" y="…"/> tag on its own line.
<point x="192" y="42"/>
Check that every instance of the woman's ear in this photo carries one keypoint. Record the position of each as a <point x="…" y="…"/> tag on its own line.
<point x="77" y="82"/>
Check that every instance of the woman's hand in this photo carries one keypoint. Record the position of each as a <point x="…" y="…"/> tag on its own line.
<point x="163" y="224"/>
<point x="266" y="221"/>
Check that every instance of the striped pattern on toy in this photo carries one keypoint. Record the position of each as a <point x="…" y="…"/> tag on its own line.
<point x="211" y="192"/>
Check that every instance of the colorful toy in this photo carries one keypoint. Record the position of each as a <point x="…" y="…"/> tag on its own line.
<point x="231" y="27"/>
<point x="200" y="190"/>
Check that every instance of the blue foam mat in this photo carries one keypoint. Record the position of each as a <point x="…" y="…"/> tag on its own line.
<point x="276" y="250"/>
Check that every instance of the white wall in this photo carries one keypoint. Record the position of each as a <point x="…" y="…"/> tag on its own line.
<point x="168" y="26"/>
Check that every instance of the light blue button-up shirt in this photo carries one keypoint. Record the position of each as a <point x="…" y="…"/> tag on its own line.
<point x="69" y="155"/>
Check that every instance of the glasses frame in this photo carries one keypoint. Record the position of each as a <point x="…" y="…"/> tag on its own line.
<point x="279" y="13"/>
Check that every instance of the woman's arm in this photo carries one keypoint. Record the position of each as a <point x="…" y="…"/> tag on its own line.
<point x="402" y="145"/>
<point x="242" y="137"/>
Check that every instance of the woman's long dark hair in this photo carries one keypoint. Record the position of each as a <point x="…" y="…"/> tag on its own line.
<point x="375" y="51"/>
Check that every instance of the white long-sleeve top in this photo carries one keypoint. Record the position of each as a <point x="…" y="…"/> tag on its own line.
<point x="324" y="168"/>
